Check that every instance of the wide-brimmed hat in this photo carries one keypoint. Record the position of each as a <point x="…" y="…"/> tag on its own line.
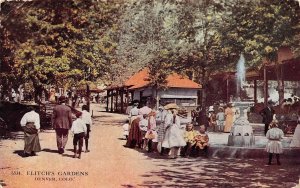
<point x="62" y="99"/>
<point x="171" y="106"/>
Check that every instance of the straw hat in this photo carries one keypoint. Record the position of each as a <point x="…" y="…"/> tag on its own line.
<point x="171" y="106"/>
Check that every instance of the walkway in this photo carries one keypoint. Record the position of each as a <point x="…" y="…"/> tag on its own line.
<point x="110" y="165"/>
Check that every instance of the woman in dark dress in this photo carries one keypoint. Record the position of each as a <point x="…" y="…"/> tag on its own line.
<point x="135" y="136"/>
<point x="30" y="123"/>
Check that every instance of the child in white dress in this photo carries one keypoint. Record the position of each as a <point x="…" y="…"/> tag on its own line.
<point x="274" y="145"/>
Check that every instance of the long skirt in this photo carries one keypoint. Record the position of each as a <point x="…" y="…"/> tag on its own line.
<point x="160" y="133"/>
<point x="228" y="123"/>
<point x="32" y="143"/>
<point x="131" y="120"/>
<point x="135" y="136"/>
<point x="274" y="146"/>
<point x="296" y="137"/>
<point x="31" y="138"/>
<point x="173" y="137"/>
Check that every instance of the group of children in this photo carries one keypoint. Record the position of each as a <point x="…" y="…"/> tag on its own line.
<point x="81" y="128"/>
<point x="196" y="141"/>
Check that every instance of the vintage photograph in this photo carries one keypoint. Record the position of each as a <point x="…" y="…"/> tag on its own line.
<point x="149" y="93"/>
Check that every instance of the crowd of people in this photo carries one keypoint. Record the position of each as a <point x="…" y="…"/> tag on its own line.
<point x="62" y="123"/>
<point x="216" y="118"/>
<point x="161" y="131"/>
<point x="74" y="98"/>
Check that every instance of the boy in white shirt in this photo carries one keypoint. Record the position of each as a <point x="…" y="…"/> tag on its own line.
<point x="87" y="119"/>
<point x="79" y="130"/>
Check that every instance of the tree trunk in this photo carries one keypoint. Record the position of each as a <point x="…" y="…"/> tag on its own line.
<point x="88" y="96"/>
<point x="204" y="82"/>
<point x="204" y="95"/>
<point x="155" y="97"/>
<point x="37" y="94"/>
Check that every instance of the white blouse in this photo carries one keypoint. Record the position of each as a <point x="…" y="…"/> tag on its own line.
<point x="33" y="117"/>
<point x="78" y="126"/>
<point x="275" y="133"/>
<point x="86" y="117"/>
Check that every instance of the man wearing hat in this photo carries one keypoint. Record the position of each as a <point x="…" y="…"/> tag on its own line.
<point x="267" y="113"/>
<point x="62" y="122"/>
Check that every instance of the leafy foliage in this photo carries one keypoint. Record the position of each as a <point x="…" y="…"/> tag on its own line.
<point x="62" y="42"/>
<point x="78" y="41"/>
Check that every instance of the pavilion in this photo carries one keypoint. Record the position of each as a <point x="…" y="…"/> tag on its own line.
<point x="180" y="90"/>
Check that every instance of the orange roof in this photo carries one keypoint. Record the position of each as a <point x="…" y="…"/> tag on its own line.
<point x="141" y="79"/>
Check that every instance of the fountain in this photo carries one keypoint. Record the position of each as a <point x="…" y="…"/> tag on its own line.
<point x="241" y="133"/>
<point x="240" y="76"/>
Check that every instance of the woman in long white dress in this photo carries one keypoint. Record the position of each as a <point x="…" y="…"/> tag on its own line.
<point x="173" y="136"/>
<point x="296" y="137"/>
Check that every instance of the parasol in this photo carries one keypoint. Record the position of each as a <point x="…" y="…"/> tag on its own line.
<point x="144" y="110"/>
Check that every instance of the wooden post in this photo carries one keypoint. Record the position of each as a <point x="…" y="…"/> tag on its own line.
<point x="132" y="95"/>
<point x="111" y="100"/>
<point x="265" y="86"/>
<point x="122" y="98"/>
<point x="255" y="91"/>
<point x="107" y="99"/>
<point x="127" y="98"/>
<point x="117" y="98"/>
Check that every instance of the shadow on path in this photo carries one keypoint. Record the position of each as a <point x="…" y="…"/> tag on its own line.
<point x="220" y="172"/>
<point x="215" y="172"/>
<point x="19" y="152"/>
<point x="67" y="155"/>
<point x="50" y="150"/>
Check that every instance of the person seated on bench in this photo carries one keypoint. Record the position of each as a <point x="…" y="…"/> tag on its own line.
<point x="201" y="145"/>
<point x="189" y="137"/>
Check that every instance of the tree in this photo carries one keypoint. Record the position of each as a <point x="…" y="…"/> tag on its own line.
<point x="189" y="31"/>
<point x="203" y="51"/>
<point x="261" y="28"/>
<point x="148" y="29"/>
<point x="64" y="42"/>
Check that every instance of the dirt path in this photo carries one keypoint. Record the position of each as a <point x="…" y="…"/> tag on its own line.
<point x="109" y="164"/>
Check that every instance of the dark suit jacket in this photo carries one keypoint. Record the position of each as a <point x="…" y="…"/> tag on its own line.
<point x="267" y="115"/>
<point x="62" y="117"/>
<point x="203" y="119"/>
